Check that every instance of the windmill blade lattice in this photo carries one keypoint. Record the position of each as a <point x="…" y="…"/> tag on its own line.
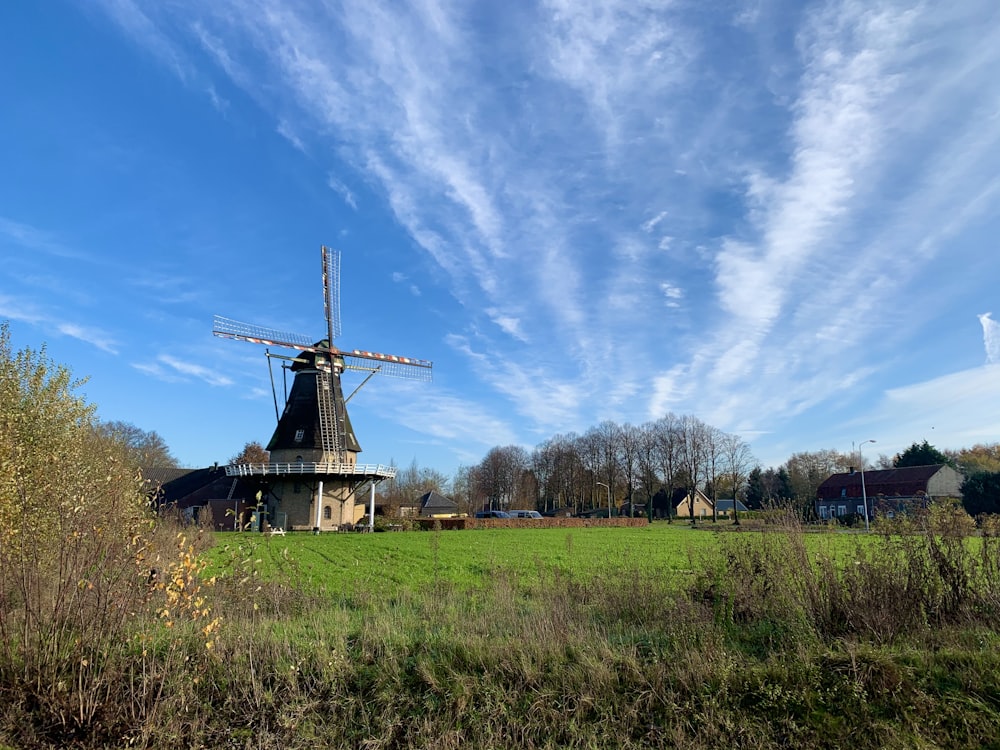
<point x="234" y="329"/>
<point x="331" y="292"/>
<point x="385" y="364"/>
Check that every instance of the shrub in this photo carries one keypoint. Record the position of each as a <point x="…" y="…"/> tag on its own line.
<point x="83" y="576"/>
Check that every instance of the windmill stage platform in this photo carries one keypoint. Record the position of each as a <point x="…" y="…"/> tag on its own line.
<point x="377" y="472"/>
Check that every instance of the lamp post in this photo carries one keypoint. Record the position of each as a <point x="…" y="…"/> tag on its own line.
<point x="864" y="494"/>
<point x="602" y="484"/>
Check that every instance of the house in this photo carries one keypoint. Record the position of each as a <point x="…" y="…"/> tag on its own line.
<point x="434" y="505"/>
<point x="202" y="495"/>
<point x="682" y="507"/>
<point x="888" y="491"/>
<point x="725" y="507"/>
<point x="703" y="505"/>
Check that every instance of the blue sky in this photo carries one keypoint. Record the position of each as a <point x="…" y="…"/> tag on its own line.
<point x="781" y="217"/>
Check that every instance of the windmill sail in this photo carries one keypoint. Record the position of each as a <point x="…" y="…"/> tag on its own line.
<point x="233" y="329"/>
<point x="331" y="292"/>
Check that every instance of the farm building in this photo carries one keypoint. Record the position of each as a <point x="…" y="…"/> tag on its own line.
<point x="889" y="491"/>
<point x="433" y="504"/>
<point x="202" y="495"/>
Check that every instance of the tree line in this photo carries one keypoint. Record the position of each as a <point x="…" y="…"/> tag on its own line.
<point x="611" y="466"/>
<point x="660" y="462"/>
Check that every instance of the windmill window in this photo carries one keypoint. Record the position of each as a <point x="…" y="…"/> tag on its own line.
<point x="327" y="512"/>
<point x="299" y="434"/>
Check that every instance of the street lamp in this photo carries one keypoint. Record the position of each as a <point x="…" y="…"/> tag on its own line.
<point x="864" y="494"/>
<point x="602" y="484"/>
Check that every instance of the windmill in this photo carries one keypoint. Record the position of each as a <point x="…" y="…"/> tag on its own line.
<point x="314" y="440"/>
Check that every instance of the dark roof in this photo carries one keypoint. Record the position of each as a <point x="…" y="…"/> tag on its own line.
<point x="432" y="502"/>
<point x="727" y="505"/>
<point x="154" y="476"/>
<point x="184" y="487"/>
<point x="904" y="481"/>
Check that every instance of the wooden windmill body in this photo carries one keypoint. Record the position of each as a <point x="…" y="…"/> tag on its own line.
<point x="313" y="479"/>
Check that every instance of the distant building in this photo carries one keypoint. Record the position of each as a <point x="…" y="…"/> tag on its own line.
<point x="703" y="505"/>
<point x="725" y="507"/>
<point x="434" y="504"/>
<point x="889" y="491"/>
<point x="682" y="506"/>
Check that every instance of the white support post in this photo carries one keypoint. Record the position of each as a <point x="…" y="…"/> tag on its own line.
<point x="371" y="508"/>
<point x="319" y="506"/>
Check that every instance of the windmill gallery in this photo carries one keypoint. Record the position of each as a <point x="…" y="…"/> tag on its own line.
<point x="312" y="479"/>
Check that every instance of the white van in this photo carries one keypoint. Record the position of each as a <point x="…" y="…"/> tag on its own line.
<point x="525" y="514"/>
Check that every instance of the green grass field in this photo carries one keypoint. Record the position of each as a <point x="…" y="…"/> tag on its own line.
<point x="397" y="560"/>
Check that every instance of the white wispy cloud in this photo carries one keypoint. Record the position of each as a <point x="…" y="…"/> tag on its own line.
<point x="144" y="30"/>
<point x="507" y="323"/>
<point x="27" y="311"/>
<point x="673" y="294"/>
<point x="286" y="131"/>
<point x="93" y="336"/>
<point x="171" y="369"/>
<point x="402" y="278"/>
<point x="33" y="238"/>
<point x="22" y="310"/>
<point x="342" y="190"/>
<point x="991" y="338"/>
<point x="455" y="419"/>
<point x="650" y="225"/>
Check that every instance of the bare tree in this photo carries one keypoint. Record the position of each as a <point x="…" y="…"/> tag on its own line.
<point x="738" y="461"/>
<point x="144" y="449"/>
<point x="808" y="470"/>
<point x="667" y="437"/>
<point x="572" y="480"/>
<point x="647" y="463"/>
<point x="713" y="465"/>
<point x="629" y="446"/>
<point x="499" y="475"/>
<point x="558" y="469"/>
<point x="692" y="453"/>
<point x="588" y="447"/>
<point x="606" y="439"/>
<point x="461" y="489"/>
<point x="408" y="485"/>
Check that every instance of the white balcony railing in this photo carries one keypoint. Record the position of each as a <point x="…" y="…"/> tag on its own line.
<point x="300" y="467"/>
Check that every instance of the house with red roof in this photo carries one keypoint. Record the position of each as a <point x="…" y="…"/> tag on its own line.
<point x="888" y="491"/>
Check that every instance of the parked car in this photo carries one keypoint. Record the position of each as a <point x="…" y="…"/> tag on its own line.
<point x="525" y="514"/>
<point x="492" y="514"/>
